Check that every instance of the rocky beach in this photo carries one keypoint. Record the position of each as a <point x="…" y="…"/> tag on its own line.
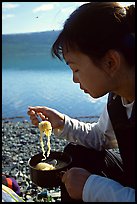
<point x="20" y="141"/>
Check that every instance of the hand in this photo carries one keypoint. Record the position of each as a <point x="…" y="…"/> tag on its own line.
<point x="54" y="117"/>
<point x="74" y="180"/>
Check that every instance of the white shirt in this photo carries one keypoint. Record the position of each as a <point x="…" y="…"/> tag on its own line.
<point x="100" y="136"/>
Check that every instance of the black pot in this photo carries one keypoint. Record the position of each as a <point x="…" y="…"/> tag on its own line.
<point x="49" y="178"/>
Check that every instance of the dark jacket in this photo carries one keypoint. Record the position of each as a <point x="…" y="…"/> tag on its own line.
<point x="124" y="129"/>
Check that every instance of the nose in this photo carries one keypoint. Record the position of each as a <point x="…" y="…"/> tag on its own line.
<point x="75" y="79"/>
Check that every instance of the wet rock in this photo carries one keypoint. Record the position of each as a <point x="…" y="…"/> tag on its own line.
<point x="33" y="131"/>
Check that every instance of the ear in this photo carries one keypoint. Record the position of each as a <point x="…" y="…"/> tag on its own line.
<point x="111" y="62"/>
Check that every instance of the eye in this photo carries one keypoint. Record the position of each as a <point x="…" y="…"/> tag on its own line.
<point x="76" y="70"/>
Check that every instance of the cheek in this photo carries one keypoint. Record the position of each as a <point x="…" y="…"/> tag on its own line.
<point x="93" y="82"/>
<point x="87" y="80"/>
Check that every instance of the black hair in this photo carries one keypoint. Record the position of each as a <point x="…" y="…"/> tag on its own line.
<point x="96" y="27"/>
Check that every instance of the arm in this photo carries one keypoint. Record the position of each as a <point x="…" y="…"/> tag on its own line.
<point x="102" y="189"/>
<point x="98" y="135"/>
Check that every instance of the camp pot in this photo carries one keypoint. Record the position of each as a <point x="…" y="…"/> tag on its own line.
<point x="49" y="178"/>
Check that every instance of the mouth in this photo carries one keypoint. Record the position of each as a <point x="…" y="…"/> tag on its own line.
<point x="83" y="89"/>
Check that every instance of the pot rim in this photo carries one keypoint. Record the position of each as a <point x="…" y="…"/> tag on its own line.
<point x="52" y="152"/>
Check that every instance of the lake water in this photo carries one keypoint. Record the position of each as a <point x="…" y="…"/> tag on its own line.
<point x="31" y="77"/>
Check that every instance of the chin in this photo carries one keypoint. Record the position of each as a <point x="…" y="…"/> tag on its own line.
<point x="96" y="96"/>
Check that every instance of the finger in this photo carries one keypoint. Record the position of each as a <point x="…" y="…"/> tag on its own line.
<point x="38" y="109"/>
<point x="35" y="115"/>
<point x="31" y="112"/>
<point x="64" y="177"/>
<point x="61" y="174"/>
<point x="32" y="115"/>
<point x="42" y="116"/>
<point x="35" y="122"/>
<point x="33" y="118"/>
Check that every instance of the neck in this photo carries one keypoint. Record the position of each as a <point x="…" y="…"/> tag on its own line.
<point x="127" y="88"/>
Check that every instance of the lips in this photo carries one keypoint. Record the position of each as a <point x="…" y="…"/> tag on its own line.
<point x="83" y="89"/>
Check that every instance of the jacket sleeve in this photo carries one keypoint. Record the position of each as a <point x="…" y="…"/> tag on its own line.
<point x="99" y="135"/>
<point x="102" y="189"/>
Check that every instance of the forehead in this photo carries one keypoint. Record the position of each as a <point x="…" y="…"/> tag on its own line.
<point x="70" y="50"/>
<point x="70" y="53"/>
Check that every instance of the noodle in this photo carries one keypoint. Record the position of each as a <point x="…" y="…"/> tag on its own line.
<point x="45" y="128"/>
<point x="44" y="166"/>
